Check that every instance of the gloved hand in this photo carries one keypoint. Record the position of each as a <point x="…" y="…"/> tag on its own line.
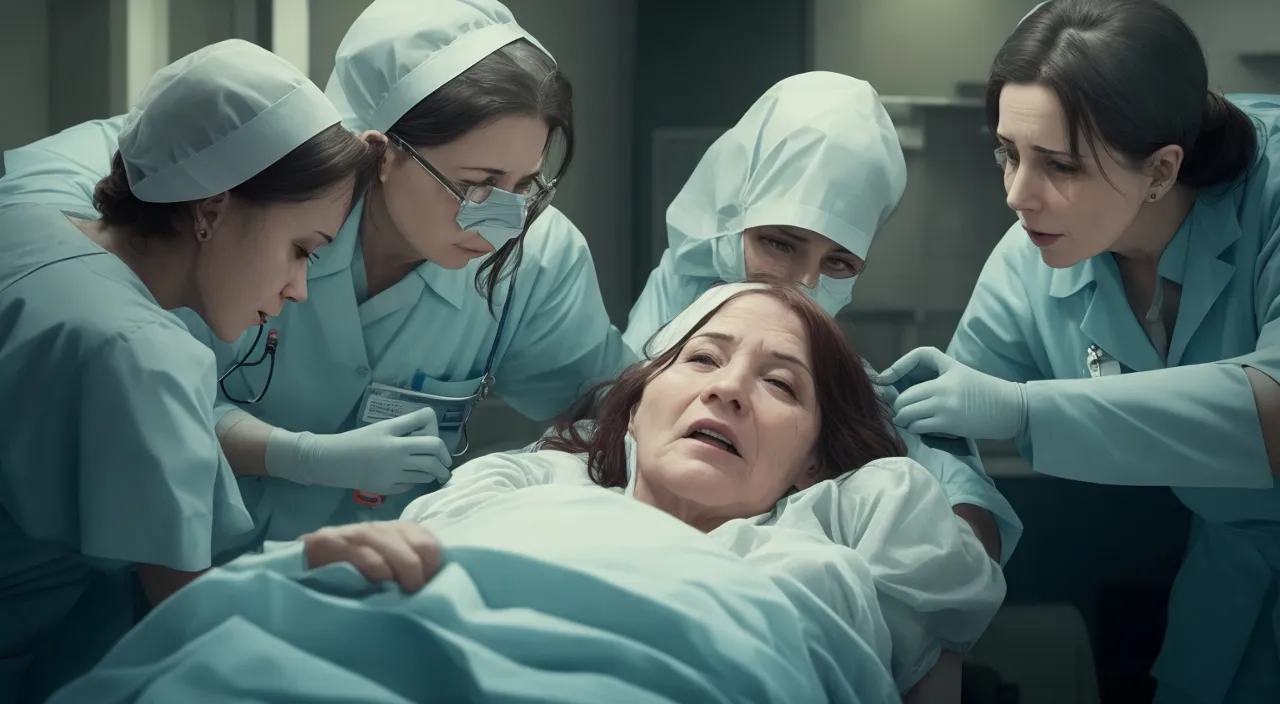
<point x="957" y="400"/>
<point x="387" y="457"/>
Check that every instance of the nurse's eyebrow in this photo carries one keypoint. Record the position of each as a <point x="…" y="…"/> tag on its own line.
<point x="328" y="237"/>
<point x="1046" y="150"/>
<point x="499" y="172"/>
<point x="798" y="238"/>
<point x="1036" y="148"/>
<point x="793" y="237"/>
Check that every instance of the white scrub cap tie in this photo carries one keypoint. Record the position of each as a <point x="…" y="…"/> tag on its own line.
<point x="398" y="52"/>
<point x="818" y="151"/>
<point x="215" y="118"/>
<point x="682" y="324"/>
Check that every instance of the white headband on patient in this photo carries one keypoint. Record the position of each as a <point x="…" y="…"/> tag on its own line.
<point x="672" y="332"/>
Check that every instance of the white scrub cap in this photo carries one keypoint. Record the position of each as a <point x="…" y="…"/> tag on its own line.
<point x="818" y="151"/>
<point x="672" y="332"/>
<point x="215" y="118"/>
<point x="398" y="52"/>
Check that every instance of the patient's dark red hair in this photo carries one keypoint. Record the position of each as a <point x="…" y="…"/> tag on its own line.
<point x="855" y="424"/>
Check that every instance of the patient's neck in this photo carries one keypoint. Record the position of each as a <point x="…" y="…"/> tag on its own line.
<point x="690" y="513"/>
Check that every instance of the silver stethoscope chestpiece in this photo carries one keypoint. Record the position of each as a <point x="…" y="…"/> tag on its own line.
<point x="1099" y="363"/>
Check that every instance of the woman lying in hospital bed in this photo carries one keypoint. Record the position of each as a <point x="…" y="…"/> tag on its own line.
<point x="724" y="560"/>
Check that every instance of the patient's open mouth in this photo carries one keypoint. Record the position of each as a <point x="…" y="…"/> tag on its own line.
<point x="714" y="439"/>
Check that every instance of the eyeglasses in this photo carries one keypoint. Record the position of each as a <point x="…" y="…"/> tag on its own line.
<point x="539" y="196"/>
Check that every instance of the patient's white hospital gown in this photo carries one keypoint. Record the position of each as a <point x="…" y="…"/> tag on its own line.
<point x="879" y="547"/>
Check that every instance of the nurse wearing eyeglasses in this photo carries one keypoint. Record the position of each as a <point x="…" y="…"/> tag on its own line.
<point x="452" y="278"/>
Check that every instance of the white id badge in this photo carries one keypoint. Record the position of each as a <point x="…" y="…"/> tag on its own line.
<point x="383" y="402"/>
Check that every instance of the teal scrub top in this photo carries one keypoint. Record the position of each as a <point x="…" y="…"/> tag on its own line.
<point x="108" y="456"/>
<point x="1188" y="420"/>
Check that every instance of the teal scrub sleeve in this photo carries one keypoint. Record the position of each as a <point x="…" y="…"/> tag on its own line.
<point x="1192" y="426"/>
<point x="993" y="333"/>
<point x="154" y="485"/>
<point x="62" y="170"/>
<point x="563" y="343"/>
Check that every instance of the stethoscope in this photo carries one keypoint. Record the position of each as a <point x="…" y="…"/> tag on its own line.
<point x="487" y="379"/>
<point x="273" y="340"/>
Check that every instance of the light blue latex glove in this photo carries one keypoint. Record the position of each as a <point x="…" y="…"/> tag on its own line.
<point x="954" y="400"/>
<point x="384" y="458"/>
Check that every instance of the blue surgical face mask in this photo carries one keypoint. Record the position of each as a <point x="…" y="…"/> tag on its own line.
<point x="499" y="219"/>
<point x="831" y="294"/>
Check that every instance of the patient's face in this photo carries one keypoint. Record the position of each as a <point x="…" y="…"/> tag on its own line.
<point x="745" y="377"/>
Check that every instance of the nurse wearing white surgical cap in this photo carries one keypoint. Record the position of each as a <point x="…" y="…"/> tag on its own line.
<point x="798" y="188"/>
<point x="232" y="171"/>
<point x="432" y="285"/>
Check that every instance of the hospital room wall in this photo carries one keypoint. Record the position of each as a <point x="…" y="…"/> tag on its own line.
<point x="24" y="33"/>
<point x="698" y="73"/>
<point x="58" y="78"/>
<point x="78" y="60"/>
<point x="922" y="267"/>
<point x="924" y="47"/>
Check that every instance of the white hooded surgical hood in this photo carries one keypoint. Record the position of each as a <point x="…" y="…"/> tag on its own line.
<point x="817" y="151"/>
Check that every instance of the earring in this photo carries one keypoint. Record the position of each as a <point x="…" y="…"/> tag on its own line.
<point x="1153" y="197"/>
<point x="202" y="235"/>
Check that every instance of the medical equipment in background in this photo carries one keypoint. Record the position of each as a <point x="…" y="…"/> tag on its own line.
<point x="273" y="340"/>
<point x="382" y="402"/>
